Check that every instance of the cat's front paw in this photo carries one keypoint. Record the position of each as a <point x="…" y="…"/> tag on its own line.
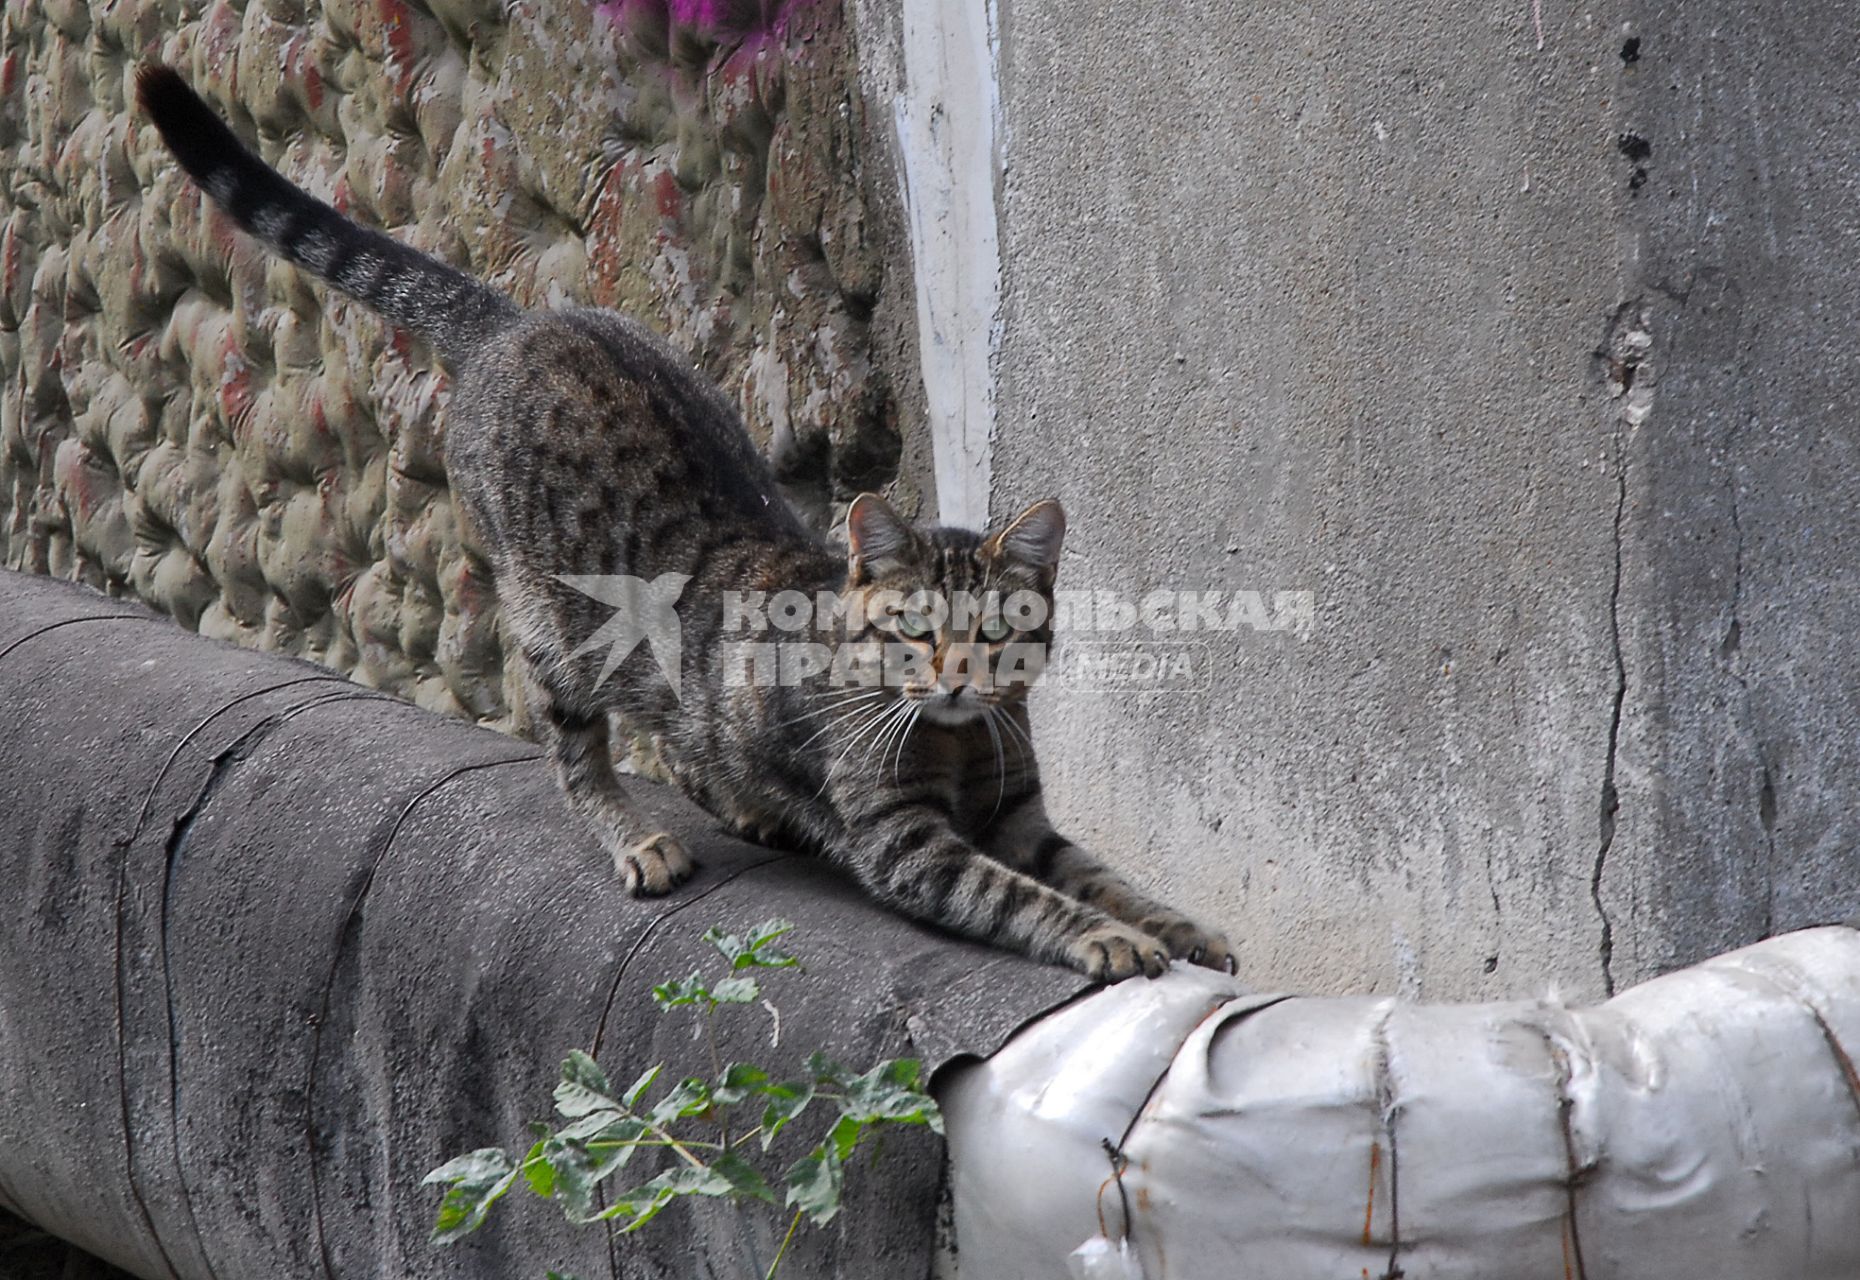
<point x="1112" y="952"/>
<point x="655" y="866"/>
<point x="1188" y="941"/>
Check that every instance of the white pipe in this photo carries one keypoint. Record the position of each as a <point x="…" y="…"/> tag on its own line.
<point x="1704" y="1124"/>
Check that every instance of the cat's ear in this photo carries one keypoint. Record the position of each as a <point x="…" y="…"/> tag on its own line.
<point x="877" y="538"/>
<point x="1033" y="537"/>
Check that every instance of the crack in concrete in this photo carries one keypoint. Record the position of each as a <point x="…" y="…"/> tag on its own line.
<point x="1627" y="357"/>
<point x="1611" y="796"/>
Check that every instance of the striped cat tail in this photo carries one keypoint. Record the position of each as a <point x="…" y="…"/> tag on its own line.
<point x="446" y="307"/>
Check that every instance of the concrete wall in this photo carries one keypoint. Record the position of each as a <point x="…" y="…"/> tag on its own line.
<point x="1524" y="337"/>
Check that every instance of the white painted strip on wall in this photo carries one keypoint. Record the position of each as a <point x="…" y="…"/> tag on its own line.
<point x="947" y="122"/>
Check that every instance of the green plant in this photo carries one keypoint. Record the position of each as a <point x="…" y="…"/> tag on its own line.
<point x="605" y="1130"/>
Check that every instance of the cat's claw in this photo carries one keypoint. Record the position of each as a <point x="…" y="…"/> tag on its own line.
<point x="1188" y="941"/>
<point x="1113" y="952"/>
<point x="655" y="866"/>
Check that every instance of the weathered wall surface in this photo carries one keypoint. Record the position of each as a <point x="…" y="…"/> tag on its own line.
<point x="184" y="419"/>
<point x="1522" y="336"/>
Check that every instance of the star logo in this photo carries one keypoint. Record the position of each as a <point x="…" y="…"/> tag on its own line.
<point x="642" y="611"/>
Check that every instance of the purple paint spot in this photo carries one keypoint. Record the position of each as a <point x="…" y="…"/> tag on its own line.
<point x="716" y="19"/>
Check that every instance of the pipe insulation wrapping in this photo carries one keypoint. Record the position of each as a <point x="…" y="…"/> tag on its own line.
<point x="1706" y="1123"/>
<point x="273" y="945"/>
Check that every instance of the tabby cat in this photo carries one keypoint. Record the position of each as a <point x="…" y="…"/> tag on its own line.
<point x="581" y="446"/>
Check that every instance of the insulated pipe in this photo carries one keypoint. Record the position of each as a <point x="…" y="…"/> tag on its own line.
<point x="273" y="945"/>
<point x="1703" y="1124"/>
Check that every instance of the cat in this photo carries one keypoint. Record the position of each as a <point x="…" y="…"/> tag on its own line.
<point x="582" y="447"/>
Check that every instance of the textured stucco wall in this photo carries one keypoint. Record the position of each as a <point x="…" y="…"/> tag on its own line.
<point x="1530" y="351"/>
<point x="182" y="418"/>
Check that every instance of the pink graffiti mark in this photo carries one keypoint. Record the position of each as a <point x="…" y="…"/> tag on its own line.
<point x="718" y="19"/>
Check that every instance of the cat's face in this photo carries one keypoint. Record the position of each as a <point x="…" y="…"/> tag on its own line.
<point x="965" y="618"/>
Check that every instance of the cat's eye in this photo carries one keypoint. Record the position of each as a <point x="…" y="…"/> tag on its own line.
<point x="995" y="628"/>
<point x="913" y="624"/>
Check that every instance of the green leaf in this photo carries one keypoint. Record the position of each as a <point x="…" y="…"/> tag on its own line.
<point x="815" y="1182"/>
<point x="767" y="932"/>
<point x="638" y="1207"/>
<point x="736" y="991"/>
<point x="740" y="1080"/>
<point x="682" y="993"/>
<point x="689" y="1097"/>
<point x="538" y="1171"/>
<point x="486" y="1162"/>
<point x="591" y="1124"/>
<point x="743" y="1177"/>
<point x="826" y="1071"/>
<point x="626" y="1131"/>
<point x="580" y="1164"/>
<point x="560" y="1275"/>
<point x="583" y="1088"/>
<point x="844" y="1136"/>
<point x="478" y="1181"/>
<point x="751" y="950"/>
<point x="889" y="1091"/>
<point x="642" y="1204"/>
<point x="786" y="1102"/>
<point x="638" y="1089"/>
<point x="580" y="1069"/>
<point x="574" y="1101"/>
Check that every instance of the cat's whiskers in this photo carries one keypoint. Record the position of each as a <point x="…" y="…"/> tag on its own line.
<point x="910" y="723"/>
<point x="1023" y="742"/>
<point x="834" y="723"/>
<point x="877" y="721"/>
<point x="845" y="698"/>
<point x="882" y="748"/>
<point x="994" y="736"/>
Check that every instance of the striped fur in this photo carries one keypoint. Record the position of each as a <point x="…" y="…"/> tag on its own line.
<point x="579" y="444"/>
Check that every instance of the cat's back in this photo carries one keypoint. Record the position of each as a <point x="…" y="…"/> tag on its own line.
<point x="582" y="437"/>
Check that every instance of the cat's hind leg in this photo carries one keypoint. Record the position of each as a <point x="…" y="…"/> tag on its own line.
<point x="651" y="863"/>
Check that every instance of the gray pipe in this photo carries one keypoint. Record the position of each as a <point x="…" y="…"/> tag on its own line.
<point x="273" y="945"/>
